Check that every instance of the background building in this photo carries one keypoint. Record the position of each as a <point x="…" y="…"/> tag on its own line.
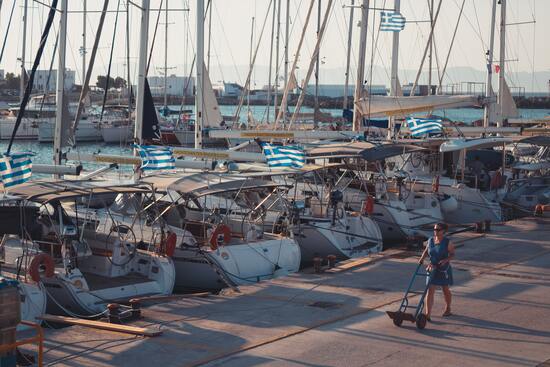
<point x="175" y="85"/>
<point x="41" y="82"/>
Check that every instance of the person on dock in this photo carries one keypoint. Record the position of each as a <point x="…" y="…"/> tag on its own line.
<point x="440" y="251"/>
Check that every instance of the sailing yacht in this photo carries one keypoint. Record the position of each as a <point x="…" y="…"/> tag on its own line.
<point x="218" y="221"/>
<point x="212" y="119"/>
<point x="82" y="265"/>
<point x="14" y="255"/>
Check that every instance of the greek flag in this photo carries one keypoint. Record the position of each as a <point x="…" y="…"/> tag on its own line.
<point x="391" y="21"/>
<point x="155" y="158"/>
<point x="283" y="156"/>
<point x="420" y="127"/>
<point x="15" y="169"/>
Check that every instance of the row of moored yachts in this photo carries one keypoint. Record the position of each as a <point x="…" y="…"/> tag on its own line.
<point x="77" y="245"/>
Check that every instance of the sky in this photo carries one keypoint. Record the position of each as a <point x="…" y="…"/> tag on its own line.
<point x="232" y="27"/>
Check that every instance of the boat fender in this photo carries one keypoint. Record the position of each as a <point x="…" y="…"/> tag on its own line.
<point x="540" y="209"/>
<point x="368" y="206"/>
<point x="41" y="263"/>
<point x="496" y="180"/>
<point x="435" y="184"/>
<point x="448" y="204"/>
<point x="170" y="245"/>
<point x="220" y="236"/>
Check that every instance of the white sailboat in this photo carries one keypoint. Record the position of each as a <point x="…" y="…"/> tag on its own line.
<point x="13" y="254"/>
<point x="218" y="221"/>
<point x="87" y="266"/>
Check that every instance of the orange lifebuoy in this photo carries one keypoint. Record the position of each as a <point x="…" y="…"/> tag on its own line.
<point x="41" y="263"/>
<point x="368" y="207"/>
<point x="435" y="184"/>
<point x="170" y="244"/>
<point x="496" y="180"/>
<point x="220" y="230"/>
<point x="540" y="209"/>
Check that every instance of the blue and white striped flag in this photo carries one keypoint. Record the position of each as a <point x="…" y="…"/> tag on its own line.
<point x="155" y="158"/>
<point x="420" y="127"/>
<point x="283" y="156"/>
<point x="391" y="21"/>
<point x="15" y="168"/>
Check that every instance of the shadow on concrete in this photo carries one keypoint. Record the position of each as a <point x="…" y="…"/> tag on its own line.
<point x="436" y="344"/>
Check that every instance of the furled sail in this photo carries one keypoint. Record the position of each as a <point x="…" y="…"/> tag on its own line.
<point x="150" y="130"/>
<point x="379" y="106"/>
<point x="507" y="106"/>
<point x="211" y="109"/>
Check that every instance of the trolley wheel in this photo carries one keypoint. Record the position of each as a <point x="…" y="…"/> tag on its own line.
<point x="398" y="319"/>
<point x="421" y="321"/>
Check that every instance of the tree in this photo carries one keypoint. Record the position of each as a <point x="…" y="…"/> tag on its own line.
<point x="12" y="81"/>
<point x="120" y="82"/>
<point x="102" y="82"/>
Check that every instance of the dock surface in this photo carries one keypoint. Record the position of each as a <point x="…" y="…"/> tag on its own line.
<point x="501" y="306"/>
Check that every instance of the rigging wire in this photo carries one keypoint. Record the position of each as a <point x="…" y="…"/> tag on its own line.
<point x="110" y="64"/>
<point x="7" y="31"/>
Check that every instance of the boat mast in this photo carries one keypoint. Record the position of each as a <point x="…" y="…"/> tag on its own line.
<point x="269" y="85"/>
<point x="394" y="87"/>
<point x="250" y="66"/>
<point x="501" y="80"/>
<point x="200" y="74"/>
<point x="361" y="65"/>
<point x="284" y="102"/>
<point x="24" y="46"/>
<point x="277" y="58"/>
<point x="350" y="31"/>
<point x="166" y="57"/>
<point x="316" y="105"/>
<point x="487" y="115"/>
<point x="84" y="10"/>
<point x="430" y="55"/>
<point x="142" y="70"/>
<point x="128" y="77"/>
<point x="60" y="83"/>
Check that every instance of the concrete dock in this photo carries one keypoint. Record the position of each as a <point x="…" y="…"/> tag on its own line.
<point x="501" y="309"/>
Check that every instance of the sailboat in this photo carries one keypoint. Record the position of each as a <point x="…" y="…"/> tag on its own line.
<point x="218" y="224"/>
<point x="212" y="117"/>
<point x="14" y="255"/>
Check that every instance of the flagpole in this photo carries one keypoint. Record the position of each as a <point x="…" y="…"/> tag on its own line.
<point x="394" y="69"/>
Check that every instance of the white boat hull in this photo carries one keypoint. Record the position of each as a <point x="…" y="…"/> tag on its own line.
<point x="349" y="237"/>
<point x="33" y="303"/>
<point x="85" y="132"/>
<point x="240" y="264"/>
<point x="88" y="294"/>
<point x="28" y="129"/>
<point x="117" y="134"/>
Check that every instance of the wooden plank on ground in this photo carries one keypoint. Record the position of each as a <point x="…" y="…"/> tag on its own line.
<point x="102" y="325"/>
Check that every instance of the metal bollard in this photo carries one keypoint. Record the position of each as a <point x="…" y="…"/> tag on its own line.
<point x="114" y="313"/>
<point x="479" y="227"/>
<point x="331" y="260"/>
<point x="317" y="264"/>
<point x="487" y="226"/>
<point x="136" y="308"/>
